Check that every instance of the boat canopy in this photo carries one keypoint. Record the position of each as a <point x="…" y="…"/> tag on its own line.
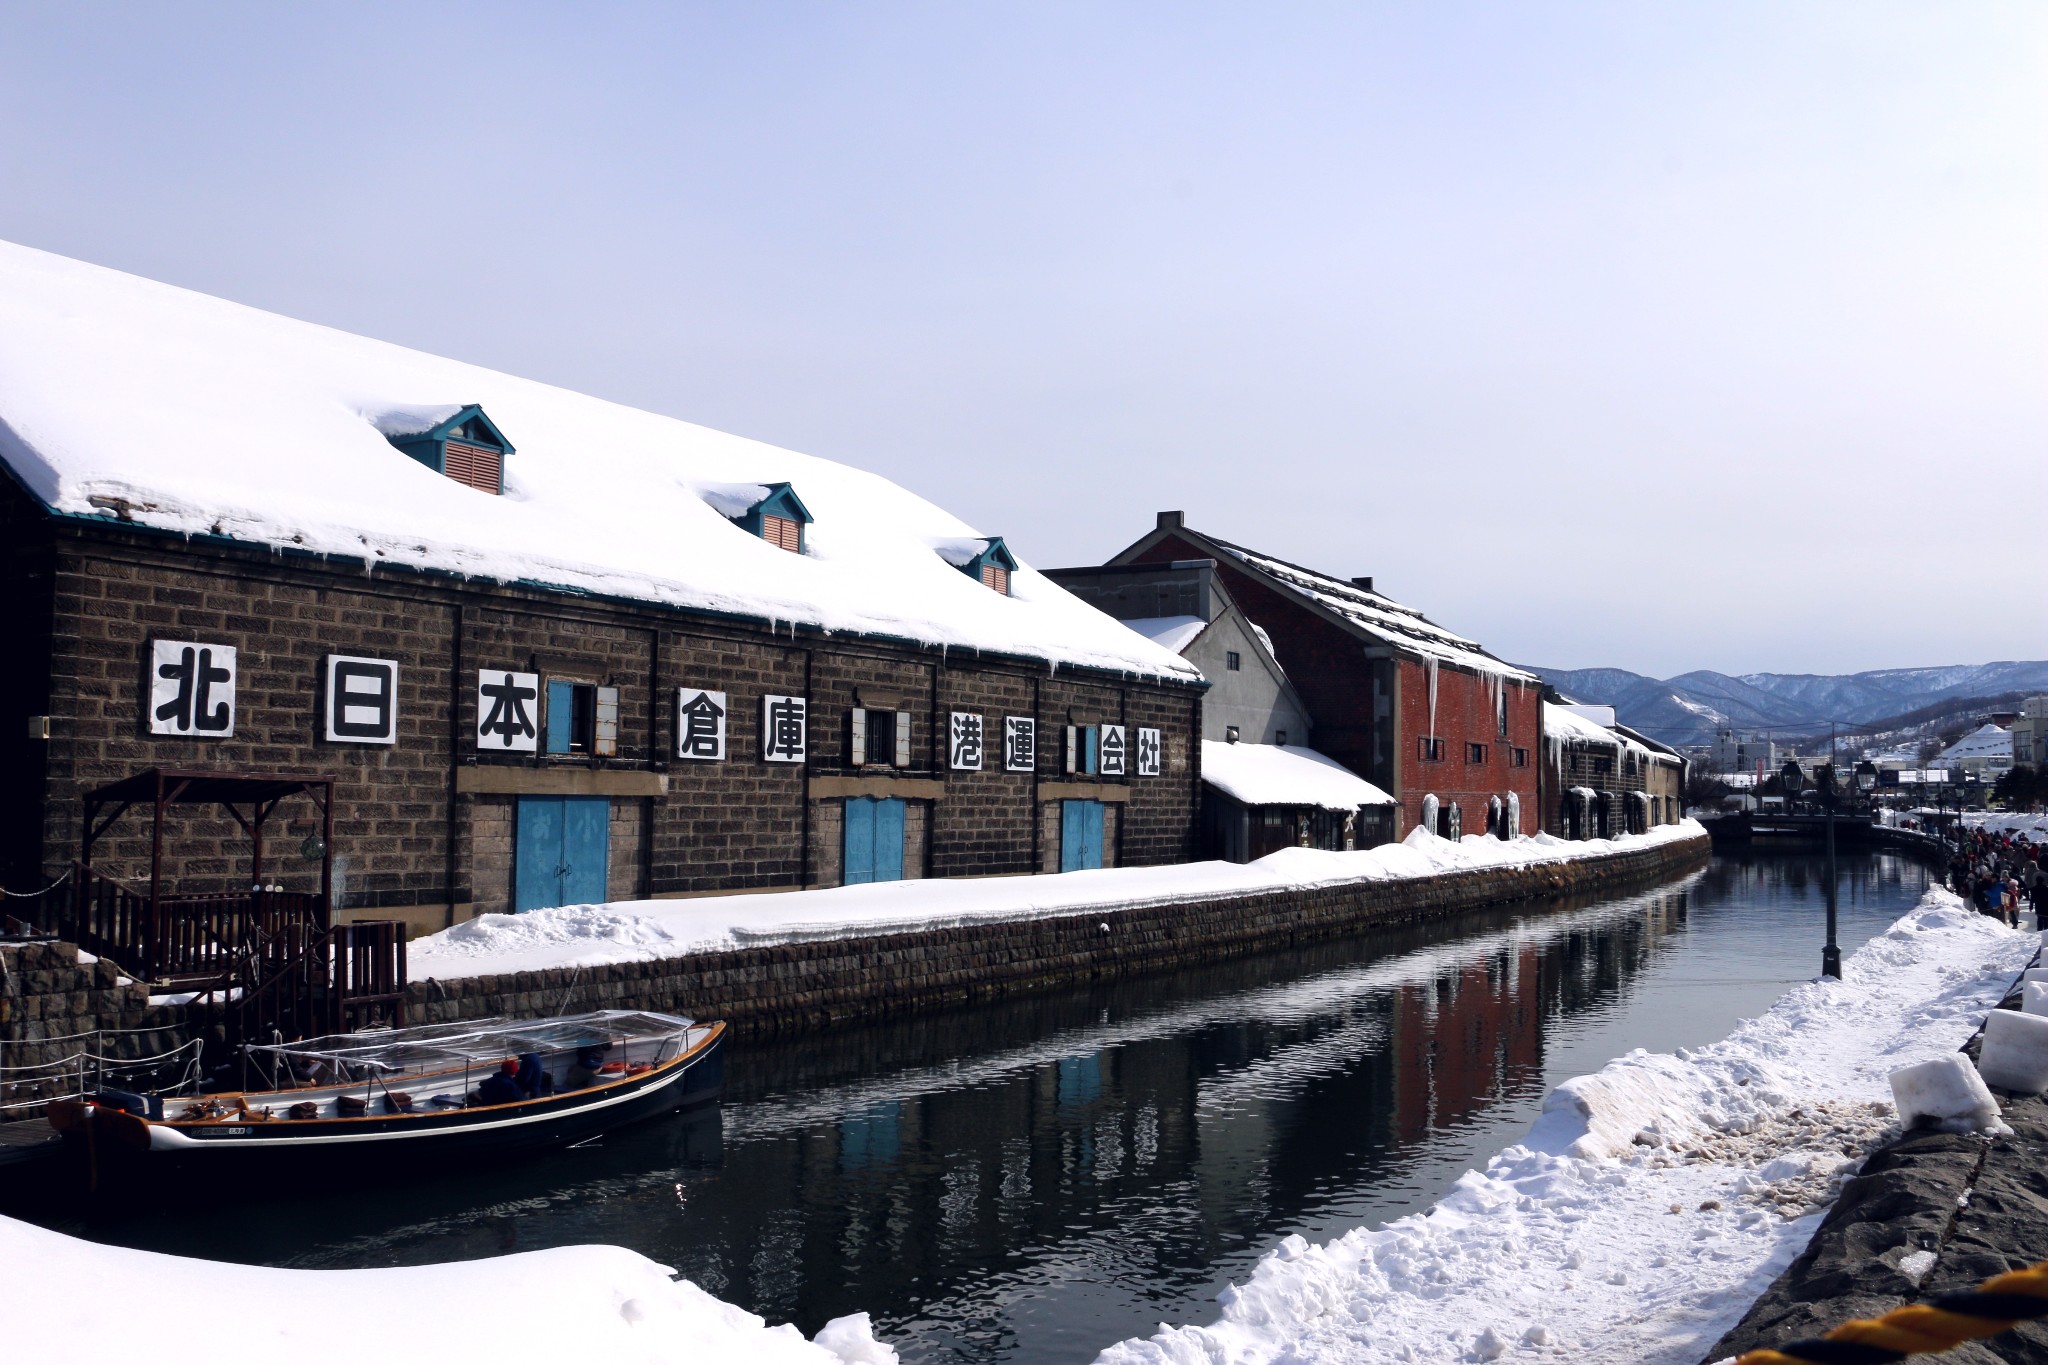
<point x="472" y="1041"/>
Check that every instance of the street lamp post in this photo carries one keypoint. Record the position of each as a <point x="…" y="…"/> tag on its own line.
<point x="1794" y="781"/>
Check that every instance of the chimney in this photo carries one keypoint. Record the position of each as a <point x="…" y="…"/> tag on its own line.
<point x="1172" y="521"/>
<point x="1365" y="582"/>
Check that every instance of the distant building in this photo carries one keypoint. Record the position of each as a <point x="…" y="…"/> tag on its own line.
<point x="1986" y="753"/>
<point x="1264" y="786"/>
<point x="2030" y="733"/>
<point x="1183" y="606"/>
<point x="1733" y="753"/>
<point x="1601" y="778"/>
<point x="1424" y="714"/>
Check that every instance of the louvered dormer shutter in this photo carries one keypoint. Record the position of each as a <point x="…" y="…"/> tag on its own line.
<point x="477" y="466"/>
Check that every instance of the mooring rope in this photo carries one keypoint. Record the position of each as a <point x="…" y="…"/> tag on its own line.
<point x="1997" y="1305"/>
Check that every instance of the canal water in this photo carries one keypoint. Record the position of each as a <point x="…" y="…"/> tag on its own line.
<point x="1033" y="1180"/>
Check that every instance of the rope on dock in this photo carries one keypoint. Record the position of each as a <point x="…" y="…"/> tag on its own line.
<point x="1997" y="1305"/>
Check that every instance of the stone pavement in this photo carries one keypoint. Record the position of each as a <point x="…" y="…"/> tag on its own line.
<point x="1980" y="1205"/>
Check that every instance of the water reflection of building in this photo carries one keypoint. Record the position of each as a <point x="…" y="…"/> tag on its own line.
<point x="1175" y="1139"/>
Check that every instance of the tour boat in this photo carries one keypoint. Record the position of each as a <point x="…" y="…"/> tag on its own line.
<point x="472" y="1086"/>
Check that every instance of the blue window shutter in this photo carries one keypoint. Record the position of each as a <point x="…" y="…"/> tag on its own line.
<point x="561" y="713"/>
<point x="1091" y="736"/>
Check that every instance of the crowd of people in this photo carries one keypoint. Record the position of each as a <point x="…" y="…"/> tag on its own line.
<point x="1996" y="872"/>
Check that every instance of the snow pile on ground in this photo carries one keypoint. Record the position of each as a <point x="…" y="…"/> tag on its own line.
<point x="1651" y="1202"/>
<point x="594" y="1303"/>
<point x="123" y="397"/>
<point x="2035" y="827"/>
<point x="1285" y="775"/>
<point x="638" y="931"/>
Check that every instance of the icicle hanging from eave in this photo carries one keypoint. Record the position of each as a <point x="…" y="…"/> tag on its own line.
<point x="1429" y="662"/>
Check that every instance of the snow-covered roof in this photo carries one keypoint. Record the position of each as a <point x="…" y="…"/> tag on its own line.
<point x="1169" y="632"/>
<point x="1986" y="741"/>
<point x="195" y="415"/>
<point x="1285" y="775"/>
<point x="1563" y="723"/>
<point x="1377" y="615"/>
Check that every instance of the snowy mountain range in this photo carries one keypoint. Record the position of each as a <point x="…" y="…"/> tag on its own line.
<point x="1688" y="709"/>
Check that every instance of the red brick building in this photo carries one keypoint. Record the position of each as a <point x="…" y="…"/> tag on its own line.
<point x="1451" y="731"/>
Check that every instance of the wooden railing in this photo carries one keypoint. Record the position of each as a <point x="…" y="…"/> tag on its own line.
<point x="262" y="961"/>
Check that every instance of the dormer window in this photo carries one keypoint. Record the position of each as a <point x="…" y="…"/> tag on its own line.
<point x="457" y="440"/>
<point x="771" y="511"/>
<point x="985" y="558"/>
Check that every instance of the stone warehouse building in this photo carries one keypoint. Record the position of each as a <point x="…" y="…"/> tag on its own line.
<point x="1426" y="715"/>
<point x="1601" y="778"/>
<point x="553" y="650"/>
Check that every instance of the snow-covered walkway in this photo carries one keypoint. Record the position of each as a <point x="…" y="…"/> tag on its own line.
<point x="636" y="931"/>
<point x="1651" y="1202"/>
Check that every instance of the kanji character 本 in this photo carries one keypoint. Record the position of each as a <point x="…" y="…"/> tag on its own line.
<point x="504" y="701"/>
<point x="965" y="741"/>
<point x="1148" y="752"/>
<point x="1113" y="750"/>
<point x="783" y="731"/>
<point x="1020" y="744"/>
<point x="700" y="724"/>
<point x="192" y="689"/>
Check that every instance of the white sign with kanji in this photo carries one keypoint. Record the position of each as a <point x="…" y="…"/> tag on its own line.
<point x="700" y="724"/>
<point x="191" y="689"/>
<point x="1020" y="744"/>
<point x="784" y="729"/>
<point x="1148" y="752"/>
<point x="1112" y="751"/>
<point x="362" y="701"/>
<point x="507" y="711"/>
<point x="963" y="741"/>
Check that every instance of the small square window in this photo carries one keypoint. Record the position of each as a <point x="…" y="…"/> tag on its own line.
<point x="880" y="740"/>
<point x="1521" y="758"/>
<point x="1232" y="660"/>
<point x="1432" y="751"/>
<point x="1475" y="753"/>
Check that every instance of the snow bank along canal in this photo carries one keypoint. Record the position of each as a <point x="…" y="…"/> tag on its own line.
<point x="1038" y="1179"/>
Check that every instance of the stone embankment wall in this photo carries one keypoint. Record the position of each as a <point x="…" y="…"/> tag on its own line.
<point x="793" y="987"/>
<point x="53" y="1006"/>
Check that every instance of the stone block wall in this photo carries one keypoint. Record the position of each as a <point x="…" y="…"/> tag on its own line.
<point x="799" y="986"/>
<point x="424" y="829"/>
<point x="52" y="1005"/>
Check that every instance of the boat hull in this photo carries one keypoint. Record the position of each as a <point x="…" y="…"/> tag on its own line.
<point x="418" y="1138"/>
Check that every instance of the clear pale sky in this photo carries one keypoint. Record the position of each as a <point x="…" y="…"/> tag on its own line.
<point x="1648" y="335"/>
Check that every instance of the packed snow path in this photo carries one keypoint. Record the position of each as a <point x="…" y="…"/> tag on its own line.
<point x="1651" y="1202"/>
<point x="638" y="931"/>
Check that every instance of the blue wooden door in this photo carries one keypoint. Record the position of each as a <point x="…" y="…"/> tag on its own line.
<point x="561" y="851"/>
<point x="874" y="840"/>
<point x="1080" y="835"/>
